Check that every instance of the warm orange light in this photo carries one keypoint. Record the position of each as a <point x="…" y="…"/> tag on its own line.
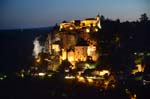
<point x="69" y="77"/>
<point x="140" y="68"/>
<point x="81" y="79"/>
<point x="71" y="28"/>
<point x="103" y="72"/>
<point x="87" y="30"/>
<point x="41" y="74"/>
<point x="38" y="60"/>
<point x="90" y="80"/>
<point x="71" y="56"/>
<point x="55" y="47"/>
<point x="91" y="50"/>
<point x="61" y="26"/>
<point x="64" y="57"/>
<point x="96" y="30"/>
<point x="71" y="59"/>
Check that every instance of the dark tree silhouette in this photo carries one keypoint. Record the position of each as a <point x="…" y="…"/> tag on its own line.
<point x="144" y="18"/>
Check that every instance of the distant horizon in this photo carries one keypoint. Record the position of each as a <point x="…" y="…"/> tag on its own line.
<point x="28" y="28"/>
<point x="24" y="14"/>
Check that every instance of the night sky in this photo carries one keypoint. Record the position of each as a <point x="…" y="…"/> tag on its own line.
<point x="42" y="13"/>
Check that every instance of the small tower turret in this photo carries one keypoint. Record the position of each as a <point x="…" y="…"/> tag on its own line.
<point x="98" y="21"/>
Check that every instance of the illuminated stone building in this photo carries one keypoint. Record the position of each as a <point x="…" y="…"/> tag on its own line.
<point x="81" y="53"/>
<point x="91" y="22"/>
<point x="91" y="51"/>
<point x="71" y="56"/>
<point x="77" y="24"/>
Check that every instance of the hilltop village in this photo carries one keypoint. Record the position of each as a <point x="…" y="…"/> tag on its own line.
<point x="72" y="42"/>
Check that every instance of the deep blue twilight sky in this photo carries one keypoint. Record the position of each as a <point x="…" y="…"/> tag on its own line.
<point x="43" y="13"/>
